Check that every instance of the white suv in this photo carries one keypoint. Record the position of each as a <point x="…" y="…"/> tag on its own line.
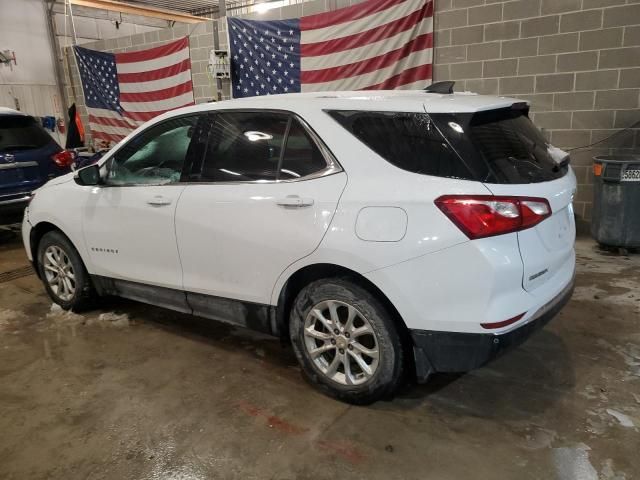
<point x="386" y="234"/>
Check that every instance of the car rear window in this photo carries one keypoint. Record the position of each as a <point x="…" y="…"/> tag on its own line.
<point x="503" y="144"/>
<point x="407" y="140"/>
<point x="19" y="132"/>
<point x="495" y="146"/>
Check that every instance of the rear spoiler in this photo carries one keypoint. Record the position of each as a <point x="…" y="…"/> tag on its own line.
<point x="441" y="87"/>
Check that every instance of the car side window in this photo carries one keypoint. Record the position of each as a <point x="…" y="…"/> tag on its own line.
<point x="243" y="146"/>
<point x="302" y="156"/>
<point x="156" y="156"/>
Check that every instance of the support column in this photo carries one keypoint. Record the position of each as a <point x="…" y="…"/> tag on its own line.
<point x="55" y="53"/>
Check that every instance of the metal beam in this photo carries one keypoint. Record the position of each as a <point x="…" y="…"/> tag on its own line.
<point x="98" y="14"/>
<point x="144" y="11"/>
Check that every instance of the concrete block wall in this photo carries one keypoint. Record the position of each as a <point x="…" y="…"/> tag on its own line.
<point x="576" y="61"/>
<point x="201" y="41"/>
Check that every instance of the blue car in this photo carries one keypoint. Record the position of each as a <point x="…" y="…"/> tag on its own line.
<point x="29" y="157"/>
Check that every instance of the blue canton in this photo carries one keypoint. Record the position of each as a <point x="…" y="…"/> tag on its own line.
<point x="99" y="78"/>
<point x="265" y="56"/>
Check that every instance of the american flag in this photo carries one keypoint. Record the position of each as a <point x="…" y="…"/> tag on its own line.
<point x="124" y="90"/>
<point x="377" y="44"/>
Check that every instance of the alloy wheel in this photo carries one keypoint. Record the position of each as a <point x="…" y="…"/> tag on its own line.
<point x="59" y="273"/>
<point x="341" y="342"/>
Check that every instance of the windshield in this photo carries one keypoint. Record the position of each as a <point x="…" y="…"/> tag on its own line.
<point x="19" y="132"/>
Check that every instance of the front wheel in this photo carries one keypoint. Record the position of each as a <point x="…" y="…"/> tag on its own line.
<point x="345" y="341"/>
<point x="61" y="269"/>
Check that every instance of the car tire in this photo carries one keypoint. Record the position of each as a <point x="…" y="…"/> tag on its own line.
<point x="63" y="273"/>
<point x="372" y="336"/>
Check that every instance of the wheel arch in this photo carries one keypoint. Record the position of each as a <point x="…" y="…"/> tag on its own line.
<point x="309" y="273"/>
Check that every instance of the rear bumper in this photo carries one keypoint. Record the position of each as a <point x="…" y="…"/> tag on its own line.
<point x="436" y="351"/>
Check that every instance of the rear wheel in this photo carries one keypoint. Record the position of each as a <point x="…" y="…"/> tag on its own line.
<point x="61" y="269"/>
<point x="345" y="341"/>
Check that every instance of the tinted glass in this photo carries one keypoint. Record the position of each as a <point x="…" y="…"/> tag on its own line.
<point x="302" y="156"/>
<point x="243" y="146"/>
<point x="407" y="140"/>
<point x="156" y="156"/>
<point x="502" y="145"/>
<point x="19" y="132"/>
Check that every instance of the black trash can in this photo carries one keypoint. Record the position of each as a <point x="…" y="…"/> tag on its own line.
<point x="616" y="201"/>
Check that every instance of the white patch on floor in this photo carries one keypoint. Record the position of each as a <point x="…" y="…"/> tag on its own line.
<point x="107" y="319"/>
<point x="602" y="419"/>
<point x="572" y="463"/>
<point x="111" y="319"/>
<point x="624" y="420"/>
<point x="64" y="317"/>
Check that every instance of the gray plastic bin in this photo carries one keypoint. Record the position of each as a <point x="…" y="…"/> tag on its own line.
<point x="616" y="200"/>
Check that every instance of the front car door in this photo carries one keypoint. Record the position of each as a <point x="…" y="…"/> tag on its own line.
<point x="128" y="221"/>
<point x="263" y="198"/>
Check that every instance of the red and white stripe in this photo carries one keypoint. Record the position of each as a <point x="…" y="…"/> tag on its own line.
<point x="379" y="44"/>
<point x="151" y="82"/>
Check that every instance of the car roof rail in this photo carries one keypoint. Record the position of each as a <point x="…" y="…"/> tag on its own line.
<point x="441" y="87"/>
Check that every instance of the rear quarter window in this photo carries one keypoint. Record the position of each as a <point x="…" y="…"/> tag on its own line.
<point x="410" y="141"/>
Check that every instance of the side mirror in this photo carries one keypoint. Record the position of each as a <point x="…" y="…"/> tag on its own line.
<point x="88" y="176"/>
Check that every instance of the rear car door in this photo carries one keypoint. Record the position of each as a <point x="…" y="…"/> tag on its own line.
<point x="262" y="198"/>
<point x="128" y="222"/>
<point x="26" y="151"/>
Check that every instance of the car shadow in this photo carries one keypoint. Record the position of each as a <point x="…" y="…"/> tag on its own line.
<point x="222" y="335"/>
<point x="524" y="382"/>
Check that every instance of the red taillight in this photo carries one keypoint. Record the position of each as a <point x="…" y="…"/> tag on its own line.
<point x="63" y="158"/>
<point x="480" y="216"/>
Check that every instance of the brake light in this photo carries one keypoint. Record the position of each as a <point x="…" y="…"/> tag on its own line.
<point x="480" y="216"/>
<point x="64" y="158"/>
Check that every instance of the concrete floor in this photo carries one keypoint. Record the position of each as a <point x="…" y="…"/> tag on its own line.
<point x="131" y="391"/>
